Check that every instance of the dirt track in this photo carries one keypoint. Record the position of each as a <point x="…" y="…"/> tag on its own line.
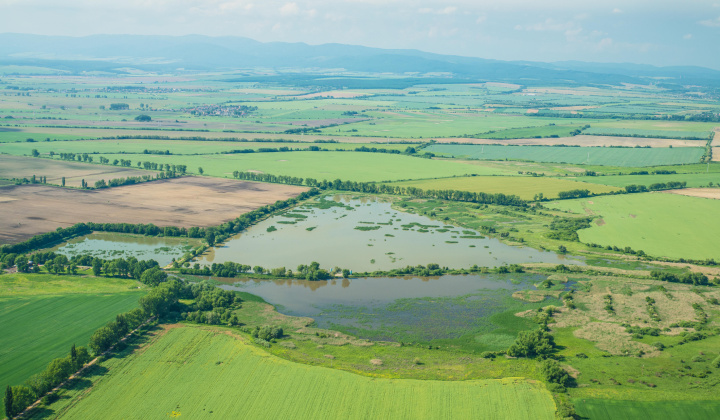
<point x="29" y="210"/>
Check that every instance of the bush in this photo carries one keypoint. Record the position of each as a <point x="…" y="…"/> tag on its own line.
<point x="531" y="344"/>
<point x="554" y="374"/>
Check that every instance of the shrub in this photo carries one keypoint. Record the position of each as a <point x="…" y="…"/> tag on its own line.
<point x="531" y="344"/>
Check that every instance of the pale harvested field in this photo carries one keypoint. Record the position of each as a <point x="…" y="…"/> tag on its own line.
<point x="54" y="170"/>
<point x="713" y="193"/>
<point x="583" y="140"/>
<point x="28" y="210"/>
<point x="716" y="151"/>
<point x="340" y="94"/>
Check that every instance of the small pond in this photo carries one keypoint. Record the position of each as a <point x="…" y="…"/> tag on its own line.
<point x="366" y="235"/>
<point x="119" y="245"/>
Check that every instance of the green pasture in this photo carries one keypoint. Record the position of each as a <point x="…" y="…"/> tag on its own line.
<point x="180" y="147"/>
<point x="693" y="180"/>
<point x="241" y="381"/>
<point x="526" y="187"/>
<point x="629" y="157"/>
<point x="44" y="315"/>
<point x="353" y="166"/>
<point x="20" y="137"/>
<point x="654" y="125"/>
<point x="660" y="224"/>
<point x="427" y="125"/>
<point x="597" y="409"/>
<point x="630" y="132"/>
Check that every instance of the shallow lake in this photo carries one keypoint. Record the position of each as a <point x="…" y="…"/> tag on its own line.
<point x="109" y="246"/>
<point x="408" y="309"/>
<point x="366" y="235"/>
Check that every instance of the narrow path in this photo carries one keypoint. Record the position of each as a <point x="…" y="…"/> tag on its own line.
<point x="80" y="371"/>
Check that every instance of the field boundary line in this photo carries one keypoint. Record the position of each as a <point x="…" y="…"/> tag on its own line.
<point x="75" y="375"/>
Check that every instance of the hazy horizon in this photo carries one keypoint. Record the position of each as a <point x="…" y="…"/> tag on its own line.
<point x="660" y="33"/>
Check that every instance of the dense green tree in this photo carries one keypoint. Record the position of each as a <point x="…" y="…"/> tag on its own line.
<point x="143" y="118"/>
<point x="153" y="276"/>
<point x="210" y="237"/>
<point x="22" y="264"/>
<point x="9" y="402"/>
<point x="22" y="398"/>
<point x="101" y="340"/>
<point x="97" y="266"/>
<point x="531" y="344"/>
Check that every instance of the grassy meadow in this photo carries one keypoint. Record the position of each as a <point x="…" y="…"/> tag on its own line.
<point x="660" y="224"/>
<point x="239" y="380"/>
<point x="352" y="166"/>
<point x="629" y="157"/>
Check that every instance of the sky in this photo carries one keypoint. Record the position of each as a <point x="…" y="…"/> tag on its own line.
<point x="659" y="32"/>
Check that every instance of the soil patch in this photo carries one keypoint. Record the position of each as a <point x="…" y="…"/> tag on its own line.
<point x="713" y="193"/>
<point x="29" y="210"/>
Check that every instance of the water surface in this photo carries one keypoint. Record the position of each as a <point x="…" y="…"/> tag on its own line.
<point x="366" y="235"/>
<point x="110" y="246"/>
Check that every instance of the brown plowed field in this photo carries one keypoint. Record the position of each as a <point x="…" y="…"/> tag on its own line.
<point x="583" y="141"/>
<point x="54" y="170"/>
<point x="28" y="210"/>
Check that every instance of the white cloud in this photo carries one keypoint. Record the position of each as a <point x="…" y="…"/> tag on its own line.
<point x="481" y="19"/>
<point x="711" y="22"/>
<point x="289" y="9"/>
<point x="617" y="11"/>
<point x="687" y="36"/>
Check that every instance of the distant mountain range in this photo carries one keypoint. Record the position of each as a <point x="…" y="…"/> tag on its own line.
<point x="119" y="53"/>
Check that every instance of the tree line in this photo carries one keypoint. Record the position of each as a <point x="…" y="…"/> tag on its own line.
<point x="374" y="188"/>
<point x="18" y="398"/>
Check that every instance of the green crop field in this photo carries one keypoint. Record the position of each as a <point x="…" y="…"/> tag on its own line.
<point x="632" y="157"/>
<point x="181" y="147"/>
<point x="240" y="381"/>
<point x="525" y="187"/>
<point x="22" y="136"/>
<point x="353" y="166"/>
<point x="693" y="180"/>
<point x="660" y="224"/>
<point x="44" y="315"/>
<point x="593" y="409"/>
<point x="426" y="125"/>
<point x="671" y="134"/>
